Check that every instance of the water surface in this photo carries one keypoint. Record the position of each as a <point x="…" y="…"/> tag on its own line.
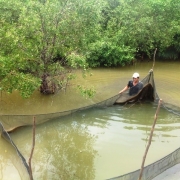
<point x="97" y="143"/>
<point x="107" y="83"/>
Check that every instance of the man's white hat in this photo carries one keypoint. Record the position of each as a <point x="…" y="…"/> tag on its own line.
<point x="135" y="75"/>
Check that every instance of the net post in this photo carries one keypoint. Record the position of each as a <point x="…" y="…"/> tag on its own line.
<point x="150" y="139"/>
<point x="32" y="150"/>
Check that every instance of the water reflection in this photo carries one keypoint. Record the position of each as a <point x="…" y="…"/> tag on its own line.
<point x="94" y="144"/>
<point x="91" y="144"/>
<point x="97" y="143"/>
<point x="136" y="119"/>
<point x="64" y="150"/>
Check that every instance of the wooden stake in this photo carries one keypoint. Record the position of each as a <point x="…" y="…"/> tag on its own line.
<point x="150" y="139"/>
<point x="154" y="58"/>
<point x="32" y="150"/>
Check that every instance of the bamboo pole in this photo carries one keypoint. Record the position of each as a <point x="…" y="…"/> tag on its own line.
<point x="32" y="150"/>
<point x="150" y="139"/>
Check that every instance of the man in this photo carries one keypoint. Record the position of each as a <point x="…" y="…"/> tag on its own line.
<point x="134" y="85"/>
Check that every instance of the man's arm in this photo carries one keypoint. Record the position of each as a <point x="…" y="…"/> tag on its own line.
<point x="125" y="88"/>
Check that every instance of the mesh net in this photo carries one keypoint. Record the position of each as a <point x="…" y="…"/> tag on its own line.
<point x="11" y="122"/>
<point x="7" y="137"/>
<point x="153" y="169"/>
<point x="148" y="92"/>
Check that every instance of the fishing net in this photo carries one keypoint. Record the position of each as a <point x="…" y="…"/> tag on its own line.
<point x="148" y="92"/>
<point x="11" y="122"/>
<point x="7" y="137"/>
<point x="153" y="169"/>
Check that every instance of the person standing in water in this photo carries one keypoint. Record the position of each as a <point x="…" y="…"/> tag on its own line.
<point x="134" y="85"/>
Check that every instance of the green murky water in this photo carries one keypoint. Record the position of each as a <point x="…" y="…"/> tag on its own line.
<point x="98" y="143"/>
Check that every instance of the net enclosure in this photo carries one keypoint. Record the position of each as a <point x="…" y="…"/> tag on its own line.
<point x="148" y="92"/>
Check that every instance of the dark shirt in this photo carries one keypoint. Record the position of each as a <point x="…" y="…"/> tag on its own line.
<point x="134" y="89"/>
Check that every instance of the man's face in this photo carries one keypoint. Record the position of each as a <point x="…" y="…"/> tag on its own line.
<point x="135" y="80"/>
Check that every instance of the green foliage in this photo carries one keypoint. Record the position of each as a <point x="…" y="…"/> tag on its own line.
<point x="33" y="33"/>
<point x="142" y="24"/>
<point x="24" y="83"/>
<point x="84" y="33"/>
<point x="86" y="92"/>
<point x="77" y="61"/>
<point x="106" y="53"/>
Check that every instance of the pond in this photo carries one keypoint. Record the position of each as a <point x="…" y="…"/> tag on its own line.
<point x="107" y="83"/>
<point x="98" y="143"/>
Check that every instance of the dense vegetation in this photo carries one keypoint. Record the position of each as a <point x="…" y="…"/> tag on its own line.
<point x="43" y="41"/>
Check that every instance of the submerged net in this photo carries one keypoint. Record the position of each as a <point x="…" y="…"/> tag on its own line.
<point x="148" y="92"/>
